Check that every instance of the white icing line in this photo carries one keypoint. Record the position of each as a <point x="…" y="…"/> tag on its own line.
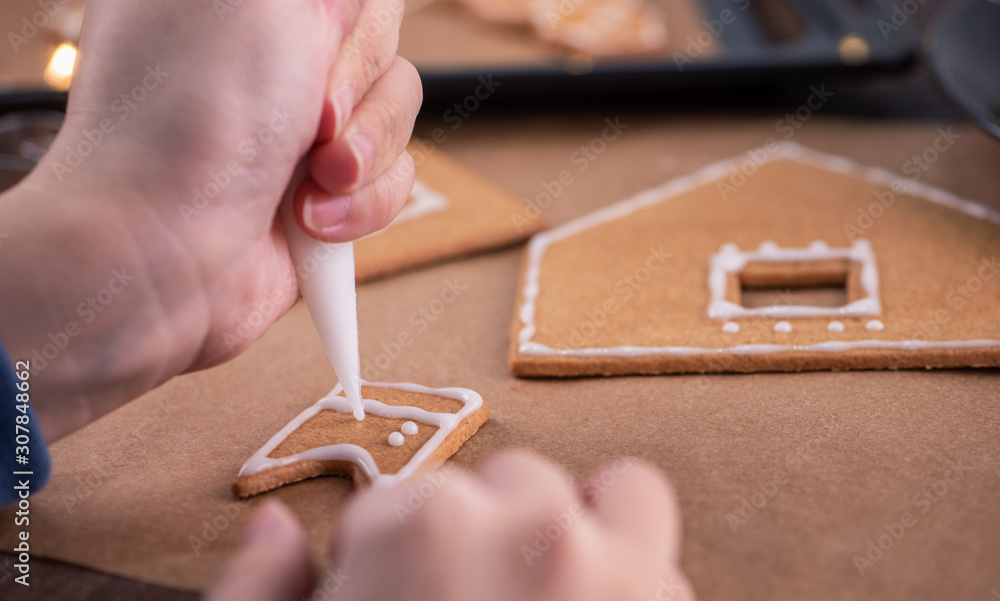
<point x="832" y="346"/>
<point x="786" y="150"/>
<point x="423" y="201"/>
<point x="730" y="259"/>
<point x="445" y="423"/>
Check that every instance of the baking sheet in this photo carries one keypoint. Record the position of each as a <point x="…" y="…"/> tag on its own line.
<point x="130" y="491"/>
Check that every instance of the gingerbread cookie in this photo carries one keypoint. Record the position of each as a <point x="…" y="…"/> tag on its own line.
<point x="408" y="429"/>
<point x="450" y="212"/>
<point x="783" y="259"/>
<point x="513" y="12"/>
<point x="601" y="27"/>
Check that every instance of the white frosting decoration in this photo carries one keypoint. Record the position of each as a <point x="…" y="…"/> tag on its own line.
<point x="396" y="439"/>
<point x="729" y="260"/>
<point x="874" y="326"/>
<point x="538" y="245"/>
<point x="330" y="295"/>
<point x="445" y="423"/>
<point x="782" y="327"/>
<point x="835" y="326"/>
<point x="409" y="429"/>
<point x="422" y="201"/>
<point x="730" y="327"/>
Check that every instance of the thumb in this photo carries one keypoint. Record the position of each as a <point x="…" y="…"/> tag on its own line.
<point x="273" y="563"/>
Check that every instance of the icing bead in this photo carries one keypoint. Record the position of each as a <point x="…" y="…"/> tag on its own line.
<point x="874" y="326"/>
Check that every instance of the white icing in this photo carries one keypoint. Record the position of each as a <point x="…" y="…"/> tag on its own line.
<point x="782" y="327"/>
<point x="874" y="326"/>
<point x="729" y="260"/>
<point x="730" y="327"/>
<point x="445" y="423"/>
<point x="786" y="150"/>
<point x="423" y="201"/>
<point x="835" y="326"/>
<point x="330" y="295"/>
<point x="396" y="439"/>
<point x="409" y="428"/>
<point x="767" y="248"/>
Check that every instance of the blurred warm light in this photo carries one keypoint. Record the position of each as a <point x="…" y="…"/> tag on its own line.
<point x="853" y="50"/>
<point x="60" y="70"/>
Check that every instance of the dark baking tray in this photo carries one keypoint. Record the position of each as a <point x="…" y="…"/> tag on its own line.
<point x="760" y="46"/>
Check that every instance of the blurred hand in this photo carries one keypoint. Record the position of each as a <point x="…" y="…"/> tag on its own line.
<point x="517" y="529"/>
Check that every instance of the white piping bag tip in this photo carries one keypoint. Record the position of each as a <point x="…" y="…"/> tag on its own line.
<point x="330" y="295"/>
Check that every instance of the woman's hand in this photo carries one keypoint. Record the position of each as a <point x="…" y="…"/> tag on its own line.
<point x="517" y="529"/>
<point x="146" y="244"/>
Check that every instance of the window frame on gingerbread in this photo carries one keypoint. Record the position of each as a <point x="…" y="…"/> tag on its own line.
<point x="817" y="264"/>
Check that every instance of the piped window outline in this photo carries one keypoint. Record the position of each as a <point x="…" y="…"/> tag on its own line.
<point x="862" y="280"/>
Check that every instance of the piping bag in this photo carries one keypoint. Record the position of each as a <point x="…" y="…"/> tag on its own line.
<point x="332" y="301"/>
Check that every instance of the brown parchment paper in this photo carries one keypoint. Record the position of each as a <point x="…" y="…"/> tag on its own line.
<point x="856" y="450"/>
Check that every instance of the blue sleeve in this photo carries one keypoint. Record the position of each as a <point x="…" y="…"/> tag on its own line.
<point x="35" y="473"/>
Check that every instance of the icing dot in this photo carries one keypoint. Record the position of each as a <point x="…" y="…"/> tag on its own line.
<point x="874" y="326"/>
<point x="835" y="326"/>
<point x="396" y="439"/>
<point x="409" y="428"/>
<point x="783" y="327"/>
<point x="768" y="247"/>
<point x="818" y="246"/>
<point x="730" y="327"/>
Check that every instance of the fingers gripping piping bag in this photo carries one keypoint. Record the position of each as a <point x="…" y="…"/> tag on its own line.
<point x="332" y="301"/>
